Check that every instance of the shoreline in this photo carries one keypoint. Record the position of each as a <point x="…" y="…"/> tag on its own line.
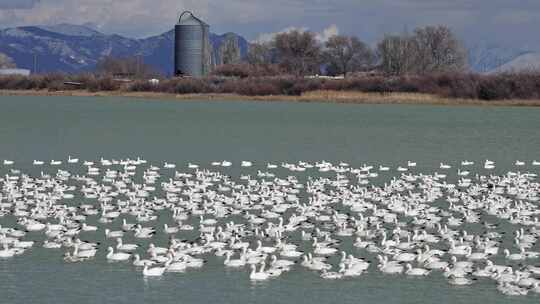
<point x="345" y="97"/>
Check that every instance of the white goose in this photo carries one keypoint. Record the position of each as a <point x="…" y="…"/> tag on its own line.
<point x="258" y="276"/>
<point x="153" y="272"/>
<point x="178" y="266"/>
<point x="513" y="256"/>
<point x="445" y="166"/>
<point x="416" y="271"/>
<point x="170" y="230"/>
<point x="88" y="228"/>
<point x="280" y="263"/>
<point x="6" y="252"/>
<point x="241" y="262"/>
<point x="169" y="165"/>
<point x="118" y="256"/>
<point x="113" y="234"/>
<point x="459" y="281"/>
<point x="125" y="247"/>
<point x="138" y="262"/>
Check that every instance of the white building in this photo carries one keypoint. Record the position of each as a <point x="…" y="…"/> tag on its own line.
<point x="19" y="72"/>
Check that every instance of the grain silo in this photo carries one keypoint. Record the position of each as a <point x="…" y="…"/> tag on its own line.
<point x="192" y="52"/>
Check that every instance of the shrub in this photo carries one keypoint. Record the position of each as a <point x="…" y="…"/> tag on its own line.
<point x="452" y="85"/>
<point x="245" y="70"/>
<point x="233" y="70"/>
<point x="257" y="87"/>
<point x="52" y="82"/>
<point x="107" y="84"/>
<point x="191" y="86"/>
<point x="141" y="86"/>
<point x="56" y="85"/>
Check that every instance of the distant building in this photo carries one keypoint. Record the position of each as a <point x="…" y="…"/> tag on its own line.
<point x="192" y="50"/>
<point x="19" y="72"/>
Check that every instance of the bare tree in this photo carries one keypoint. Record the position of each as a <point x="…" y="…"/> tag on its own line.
<point x="132" y="67"/>
<point x="430" y="50"/>
<point x="229" y="51"/>
<point x="396" y="54"/>
<point x="345" y="54"/>
<point x="298" y="52"/>
<point x="438" y="50"/>
<point x="6" y="62"/>
<point x="261" y="53"/>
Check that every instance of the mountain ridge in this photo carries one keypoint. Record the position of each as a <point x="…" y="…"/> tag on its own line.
<point x="528" y="62"/>
<point x="77" y="48"/>
<point x="485" y="57"/>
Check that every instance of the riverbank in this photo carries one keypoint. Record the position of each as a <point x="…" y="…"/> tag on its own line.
<point x="349" y="97"/>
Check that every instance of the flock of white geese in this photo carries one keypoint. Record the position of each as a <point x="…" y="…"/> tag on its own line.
<point x="333" y="219"/>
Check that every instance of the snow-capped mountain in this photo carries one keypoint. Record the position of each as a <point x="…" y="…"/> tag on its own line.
<point x="75" y="48"/>
<point x="71" y="30"/>
<point x="485" y="57"/>
<point x="529" y="62"/>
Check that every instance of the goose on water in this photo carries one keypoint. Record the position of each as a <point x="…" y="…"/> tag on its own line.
<point x="118" y="256"/>
<point x="153" y="272"/>
<point x="258" y="275"/>
<point x="453" y="224"/>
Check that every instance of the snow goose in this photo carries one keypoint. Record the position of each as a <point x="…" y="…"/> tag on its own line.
<point x="138" y="262"/>
<point x="170" y="230"/>
<point x="153" y="272"/>
<point x="6" y="252"/>
<point x="513" y="256"/>
<point x="118" y="256"/>
<point x="258" y="275"/>
<point x="125" y="247"/>
<point x="113" y="234"/>
<point x="241" y="262"/>
<point x="415" y="271"/>
<point x="459" y="281"/>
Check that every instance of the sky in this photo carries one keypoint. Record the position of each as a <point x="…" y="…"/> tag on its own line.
<point x="504" y="22"/>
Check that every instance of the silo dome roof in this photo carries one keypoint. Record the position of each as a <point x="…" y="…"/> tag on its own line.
<point x="187" y="18"/>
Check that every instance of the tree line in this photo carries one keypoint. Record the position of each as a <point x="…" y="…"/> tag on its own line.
<point x="128" y="67"/>
<point x="430" y="49"/>
<point x="6" y="62"/>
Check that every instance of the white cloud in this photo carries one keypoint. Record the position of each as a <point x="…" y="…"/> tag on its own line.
<point x="328" y="32"/>
<point x="134" y="17"/>
<point x="139" y="18"/>
<point x="322" y="36"/>
<point x="509" y="22"/>
<point x="267" y="37"/>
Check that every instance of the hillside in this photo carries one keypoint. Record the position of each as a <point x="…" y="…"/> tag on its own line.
<point x="523" y="63"/>
<point x="73" y="48"/>
<point x="485" y="57"/>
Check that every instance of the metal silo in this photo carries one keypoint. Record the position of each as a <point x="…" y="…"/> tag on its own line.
<point x="192" y="53"/>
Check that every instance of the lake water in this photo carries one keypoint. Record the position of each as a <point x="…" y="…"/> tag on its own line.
<point x="181" y="132"/>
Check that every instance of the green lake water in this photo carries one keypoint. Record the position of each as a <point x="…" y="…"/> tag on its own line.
<point x="200" y="132"/>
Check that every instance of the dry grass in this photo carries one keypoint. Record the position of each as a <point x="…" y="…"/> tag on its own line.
<point x="406" y="98"/>
<point x="348" y="97"/>
<point x="499" y="89"/>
